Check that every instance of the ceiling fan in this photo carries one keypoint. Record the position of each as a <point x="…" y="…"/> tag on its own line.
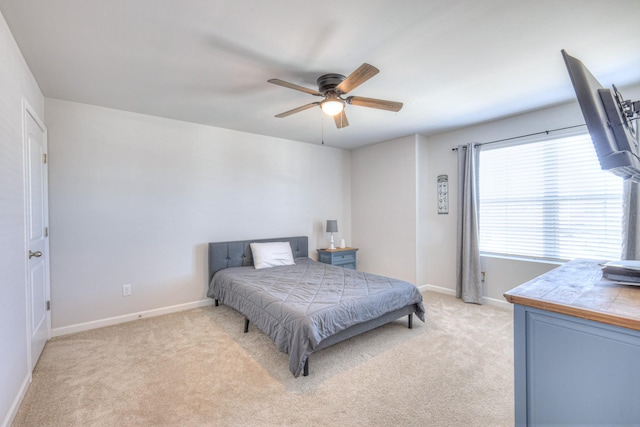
<point x="332" y="86"/>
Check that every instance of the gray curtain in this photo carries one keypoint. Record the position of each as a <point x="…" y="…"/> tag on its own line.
<point x="630" y="219"/>
<point x="468" y="276"/>
<point x="630" y="247"/>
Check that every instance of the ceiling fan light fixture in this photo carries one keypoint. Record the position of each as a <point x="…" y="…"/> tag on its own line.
<point x="331" y="87"/>
<point x="332" y="105"/>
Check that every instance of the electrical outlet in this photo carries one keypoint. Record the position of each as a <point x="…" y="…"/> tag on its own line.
<point x="126" y="290"/>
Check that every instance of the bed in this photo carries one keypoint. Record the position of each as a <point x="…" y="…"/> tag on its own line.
<point x="305" y="306"/>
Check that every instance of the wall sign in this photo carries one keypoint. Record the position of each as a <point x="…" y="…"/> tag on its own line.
<point x="443" y="194"/>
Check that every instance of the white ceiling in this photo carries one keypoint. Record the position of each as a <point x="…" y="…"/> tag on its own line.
<point x="452" y="62"/>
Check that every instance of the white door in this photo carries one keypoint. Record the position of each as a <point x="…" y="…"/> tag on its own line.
<point x="37" y="235"/>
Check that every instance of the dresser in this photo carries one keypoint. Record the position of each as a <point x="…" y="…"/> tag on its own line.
<point x="341" y="257"/>
<point x="576" y="348"/>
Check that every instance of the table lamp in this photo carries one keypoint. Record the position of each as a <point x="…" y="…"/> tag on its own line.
<point x="332" y="227"/>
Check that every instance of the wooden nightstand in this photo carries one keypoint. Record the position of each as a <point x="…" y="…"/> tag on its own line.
<point x="340" y="257"/>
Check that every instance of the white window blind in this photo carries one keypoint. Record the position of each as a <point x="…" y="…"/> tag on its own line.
<point x="550" y="200"/>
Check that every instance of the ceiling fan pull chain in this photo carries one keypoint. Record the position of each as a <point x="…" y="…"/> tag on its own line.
<point x="322" y="125"/>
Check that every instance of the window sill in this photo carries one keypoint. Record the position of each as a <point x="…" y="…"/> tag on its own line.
<point x="524" y="258"/>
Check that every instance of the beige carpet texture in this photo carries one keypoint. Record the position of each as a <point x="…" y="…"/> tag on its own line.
<point x="198" y="368"/>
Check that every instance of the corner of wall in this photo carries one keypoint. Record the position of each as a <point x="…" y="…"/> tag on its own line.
<point x="422" y="206"/>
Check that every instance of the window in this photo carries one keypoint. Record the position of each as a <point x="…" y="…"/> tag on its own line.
<point x="550" y="200"/>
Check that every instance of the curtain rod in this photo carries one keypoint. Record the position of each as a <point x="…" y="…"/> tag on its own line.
<point x="524" y="136"/>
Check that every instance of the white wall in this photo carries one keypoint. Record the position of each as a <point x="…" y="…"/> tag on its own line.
<point x="134" y="199"/>
<point x="501" y="275"/>
<point x="394" y="195"/>
<point x="16" y="84"/>
<point x="384" y="207"/>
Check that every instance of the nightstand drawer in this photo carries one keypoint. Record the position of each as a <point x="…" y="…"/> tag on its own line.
<point x="339" y="258"/>
<point x="345" y="258"/>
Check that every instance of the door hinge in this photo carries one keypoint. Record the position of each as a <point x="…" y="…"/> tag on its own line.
<point x="44" y="158"/>
<point x="48" y="305"/>
<point x="46" y="232"/>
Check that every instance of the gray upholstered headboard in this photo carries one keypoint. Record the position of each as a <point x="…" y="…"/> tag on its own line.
<point x="238" y="254"/>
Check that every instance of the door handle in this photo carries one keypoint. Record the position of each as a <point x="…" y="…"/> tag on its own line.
<point x="36" y="254"/>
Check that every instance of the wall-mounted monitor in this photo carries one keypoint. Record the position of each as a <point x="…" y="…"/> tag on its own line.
<point x="607" y="117"/>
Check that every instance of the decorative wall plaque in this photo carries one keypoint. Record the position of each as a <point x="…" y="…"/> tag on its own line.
<point x="443" y="194"/>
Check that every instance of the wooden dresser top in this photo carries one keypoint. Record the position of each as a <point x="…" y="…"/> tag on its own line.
<point x="578" y="289"/>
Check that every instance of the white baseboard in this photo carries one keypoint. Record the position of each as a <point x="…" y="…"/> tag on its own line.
<point x="65" y="330"/>
<point x="486" y="300"/>
<point x="498" y="303"/>
<point x="15" y="405"/>
<point x="438" y="289"/>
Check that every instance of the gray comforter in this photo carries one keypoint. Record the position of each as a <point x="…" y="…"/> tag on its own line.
<point x="300" y="305"/>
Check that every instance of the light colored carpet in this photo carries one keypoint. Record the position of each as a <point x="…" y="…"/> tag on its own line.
<point x="197" y="368"/>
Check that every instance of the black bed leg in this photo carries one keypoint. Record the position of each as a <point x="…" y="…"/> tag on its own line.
<point x="246" y="325"/>
<point x="410" y="321"/>
<point x="216" y="303"/>
<point x="305" y="370"/>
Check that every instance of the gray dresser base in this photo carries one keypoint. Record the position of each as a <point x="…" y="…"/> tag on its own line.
<point x="572" y="371"/>
<point x="576" y="349"/>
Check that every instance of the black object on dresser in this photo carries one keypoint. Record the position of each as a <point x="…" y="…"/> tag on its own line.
<point x="341" y="257"/>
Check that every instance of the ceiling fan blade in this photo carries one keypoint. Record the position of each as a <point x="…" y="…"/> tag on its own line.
<point x="374" y="103"/>
<point x="297" y="110"/>
<point x="341" y="120"/>
<point x="294" y="86"/>
<point x="355" y="79"/>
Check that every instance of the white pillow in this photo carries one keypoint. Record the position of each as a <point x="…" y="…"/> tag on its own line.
<point x="271" y="254"/>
